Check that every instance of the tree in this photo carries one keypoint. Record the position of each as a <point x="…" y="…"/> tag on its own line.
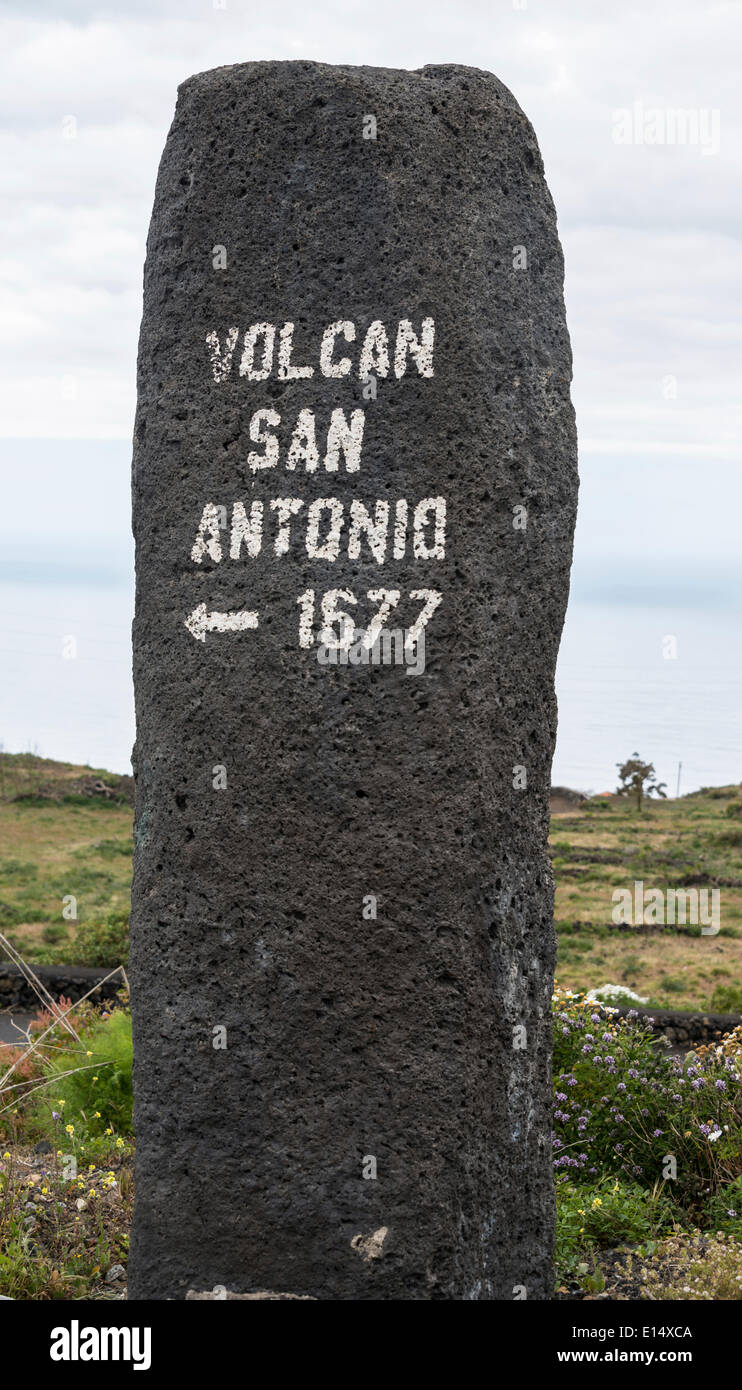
<point x="634" y="774"/>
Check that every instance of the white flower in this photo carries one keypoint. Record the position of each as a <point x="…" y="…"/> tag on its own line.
<point x="619" y="992"/>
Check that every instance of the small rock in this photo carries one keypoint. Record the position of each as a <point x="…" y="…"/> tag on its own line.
<point x="370" y="1246"/>
<point x="44" y="1147"/>
<point x="115" y="1273"/>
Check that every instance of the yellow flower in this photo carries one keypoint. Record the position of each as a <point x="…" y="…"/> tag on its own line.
<point x="92" y="1192"/>
<point x="580" y="1212"/>
<point x="109" y="1130"/>
<point x="62" y="1103"/>
<point x="119" y="1143"/>
<point x="95" y="1078"/>
<point x="6" y="1155"/>
<point x="597" y="1201"/>
<point x="70" y="1129"/>
<point x="88" y="1054"/>
<point x="91" y="1167"/>
<point x="45" y="1191"/>
<point x="96" y="1114"/>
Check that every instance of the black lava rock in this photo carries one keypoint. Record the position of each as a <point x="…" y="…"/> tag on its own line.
<point x="353" y="413"/>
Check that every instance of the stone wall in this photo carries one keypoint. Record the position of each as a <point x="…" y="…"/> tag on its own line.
<point x="70" y="981"/>
<point x="687" y="1029"/>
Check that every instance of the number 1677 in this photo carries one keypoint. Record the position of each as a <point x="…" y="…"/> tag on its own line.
<point x="338" y="627"/>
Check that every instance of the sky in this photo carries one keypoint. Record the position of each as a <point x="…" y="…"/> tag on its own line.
<point x="649" y="225"/>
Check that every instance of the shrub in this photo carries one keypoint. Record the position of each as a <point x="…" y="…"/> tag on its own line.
<point x="89" y="1087"/>
<point x="725" y="1210"/>
<point x="104" y="942"/>
<point x="727" y="999"/>
<point x="623" y="1106"/>
<point x="610" y="1213"/>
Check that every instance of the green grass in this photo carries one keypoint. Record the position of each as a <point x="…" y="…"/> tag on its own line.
<point x="606" y="845"/>
<point x="59" y="841"/>
<point x="66" y="1149"/>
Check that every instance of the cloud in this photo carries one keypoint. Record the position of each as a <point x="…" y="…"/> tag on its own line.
<point x="650" y="235"/>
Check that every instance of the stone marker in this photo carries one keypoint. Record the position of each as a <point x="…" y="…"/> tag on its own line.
<point x="354" y="496"/>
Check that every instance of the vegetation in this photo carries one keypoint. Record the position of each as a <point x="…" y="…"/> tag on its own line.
<point x="66" y="1150"/>
<point x="647" y="1147"/>
<point x="648" y="1158"/>
<point x="605" y="844"/>
<point x="637" y="779"/>
<point x="66" y="833"/>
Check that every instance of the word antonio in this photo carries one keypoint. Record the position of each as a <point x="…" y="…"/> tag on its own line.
<point x="267" y="349"/>
<point x="327" y="525"/>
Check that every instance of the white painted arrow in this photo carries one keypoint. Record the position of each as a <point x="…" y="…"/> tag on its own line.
<point x="199" y="622"/>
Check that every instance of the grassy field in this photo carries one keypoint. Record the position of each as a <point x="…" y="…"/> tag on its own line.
<point x="65" y="831"/>
<point x="607" y="845"/>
